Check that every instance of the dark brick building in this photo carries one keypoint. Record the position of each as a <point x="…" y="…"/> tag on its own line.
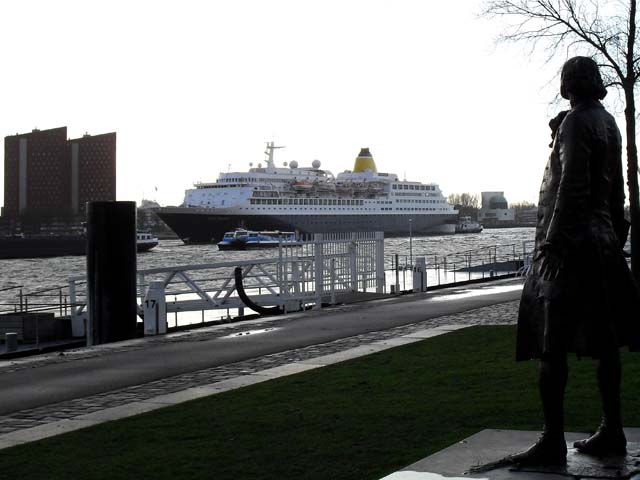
<point x="36" y="173"/>
<point x="46" y="175"/>
<point x="93" y="170"/>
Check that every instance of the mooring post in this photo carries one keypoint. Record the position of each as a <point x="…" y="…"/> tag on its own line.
<point x="111" y="271"/>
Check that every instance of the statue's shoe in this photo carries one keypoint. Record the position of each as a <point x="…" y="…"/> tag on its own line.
<point x="606" y="441"/>
<point x="548" y="450"/>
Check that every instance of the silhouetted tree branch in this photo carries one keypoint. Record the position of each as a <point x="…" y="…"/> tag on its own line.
<point x="466" y="204"/>
<point x="606" y="31"/>
<point x="464" y="200"/>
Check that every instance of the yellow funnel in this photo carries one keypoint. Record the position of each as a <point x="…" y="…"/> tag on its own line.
<point x="364" y="162"/>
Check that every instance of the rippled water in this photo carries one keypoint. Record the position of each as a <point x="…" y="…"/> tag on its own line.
<point x="39" y="273"/>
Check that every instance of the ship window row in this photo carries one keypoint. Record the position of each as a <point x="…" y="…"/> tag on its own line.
<point x="210" y="185"/>
<point x="264" y="193"/>
<point x="419" y="208"/>
<point x="304" y="201"/>
<point x="264" y="179"/>
<point x="397" y="186"/>
<point x="236" y="179"/>
<point x="404" y="209"/>
<point x="289" y="209"/>
<point x="411" y="194"/>
<point x="401" y="200"/>
<point x="253" y="179"/>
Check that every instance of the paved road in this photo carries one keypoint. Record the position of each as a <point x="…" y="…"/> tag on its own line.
<point x="32" y="383"/>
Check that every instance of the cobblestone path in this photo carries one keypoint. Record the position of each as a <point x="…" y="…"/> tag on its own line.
<point x="503" y="313"/>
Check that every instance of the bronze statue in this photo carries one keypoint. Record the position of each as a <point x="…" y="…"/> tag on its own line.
<point x="580" y="296"/>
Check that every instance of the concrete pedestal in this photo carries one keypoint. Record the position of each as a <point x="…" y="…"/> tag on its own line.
<point x="490" y="445"/>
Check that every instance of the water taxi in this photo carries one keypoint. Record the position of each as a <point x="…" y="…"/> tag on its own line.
<point x="241" y="239"/>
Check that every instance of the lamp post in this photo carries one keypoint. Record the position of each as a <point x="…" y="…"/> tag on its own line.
<point x="410" y="243"/>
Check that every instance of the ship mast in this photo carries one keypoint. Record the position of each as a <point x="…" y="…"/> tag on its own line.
<point x="269" y="153"/>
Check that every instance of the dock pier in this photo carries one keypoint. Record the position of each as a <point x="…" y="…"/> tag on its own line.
<point x="351" y="268"/>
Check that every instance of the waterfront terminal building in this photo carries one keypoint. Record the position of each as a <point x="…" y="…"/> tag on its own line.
<point x="495" y="211"/>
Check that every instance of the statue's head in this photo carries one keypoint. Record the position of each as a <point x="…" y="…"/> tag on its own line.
<point x="581" y="78"/>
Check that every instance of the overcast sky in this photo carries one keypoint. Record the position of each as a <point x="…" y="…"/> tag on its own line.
<point x="193" y="88"/>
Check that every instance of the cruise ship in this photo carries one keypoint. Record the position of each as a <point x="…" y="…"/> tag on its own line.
<point x="310" y="200"/>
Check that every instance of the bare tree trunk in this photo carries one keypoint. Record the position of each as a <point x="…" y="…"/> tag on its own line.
<point x="632" y="181"/>
<point x="632" y="149"/>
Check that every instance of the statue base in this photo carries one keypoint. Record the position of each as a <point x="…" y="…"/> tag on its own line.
<point x="490" y="446"/>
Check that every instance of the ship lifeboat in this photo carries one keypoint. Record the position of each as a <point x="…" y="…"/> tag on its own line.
<point x="302" y="186"/>
<point x="326" y="187"/>
<point x="375" y="187"/>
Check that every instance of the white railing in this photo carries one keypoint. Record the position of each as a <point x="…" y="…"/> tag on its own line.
<point x="311" y="272"/>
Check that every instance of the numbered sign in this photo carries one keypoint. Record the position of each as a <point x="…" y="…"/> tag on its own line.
<point x="155" y="309"/>
<point x="420" y="275"/>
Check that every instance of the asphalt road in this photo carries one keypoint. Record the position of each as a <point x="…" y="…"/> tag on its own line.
<point x="47" y="383"/>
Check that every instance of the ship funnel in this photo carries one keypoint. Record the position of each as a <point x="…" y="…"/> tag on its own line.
<point x="364" y="162"/>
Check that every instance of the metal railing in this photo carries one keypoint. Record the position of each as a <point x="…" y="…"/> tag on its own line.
<point x="450" y="269"/>
<point x="291" y="273"/>
<point x="314" y="271"/>
<point x="52" y="299"/>
<point x="34" y="313"/>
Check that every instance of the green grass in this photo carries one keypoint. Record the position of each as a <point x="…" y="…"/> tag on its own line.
<point x="358" y="420"/>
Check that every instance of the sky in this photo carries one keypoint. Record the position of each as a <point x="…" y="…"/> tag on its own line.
<point x="195" y="88"/>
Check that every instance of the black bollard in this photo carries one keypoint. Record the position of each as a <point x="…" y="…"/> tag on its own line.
<point x="111" y="271"/>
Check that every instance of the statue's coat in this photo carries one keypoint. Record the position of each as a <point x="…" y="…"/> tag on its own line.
<point x="593" y="305"/>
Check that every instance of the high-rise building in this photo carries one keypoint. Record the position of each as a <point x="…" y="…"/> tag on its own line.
<point x="46" y="175"/>
<point x="36" y="173"/>
<point x="93" y="170"/>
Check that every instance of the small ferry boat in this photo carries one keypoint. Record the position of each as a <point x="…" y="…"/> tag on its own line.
<point x="466" y="225"/>
<point x="241" y="239"/>
<point x="145" y="241"/>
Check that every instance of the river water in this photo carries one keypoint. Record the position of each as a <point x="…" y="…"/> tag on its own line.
<point x="40" y="273"/>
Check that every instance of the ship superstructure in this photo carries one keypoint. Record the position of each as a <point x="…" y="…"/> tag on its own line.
<point x="310" y="200"/>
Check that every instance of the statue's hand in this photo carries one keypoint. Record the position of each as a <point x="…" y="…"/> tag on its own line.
<point x="550" y="264"/>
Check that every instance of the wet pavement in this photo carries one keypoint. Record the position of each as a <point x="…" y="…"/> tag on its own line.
<point x="53" y="388"/>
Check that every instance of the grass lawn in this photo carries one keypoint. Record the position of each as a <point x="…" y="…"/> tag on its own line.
<point x="362" y="419"/>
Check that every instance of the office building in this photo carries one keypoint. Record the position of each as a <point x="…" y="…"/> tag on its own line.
<point x="48" y="175"/>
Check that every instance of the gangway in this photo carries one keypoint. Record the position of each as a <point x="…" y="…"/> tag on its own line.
<point x="312" y="272"/>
